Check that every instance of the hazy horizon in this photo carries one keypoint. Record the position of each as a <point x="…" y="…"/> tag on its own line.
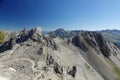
<point x="53" y="14"/>
<point x="54" y="29"/>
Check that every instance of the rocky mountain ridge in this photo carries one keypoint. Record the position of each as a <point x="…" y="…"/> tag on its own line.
<point x="111" y="35"/>
<point x="31" y="55"/>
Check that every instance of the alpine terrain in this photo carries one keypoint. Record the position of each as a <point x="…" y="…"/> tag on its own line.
<point x="74" y="55"/>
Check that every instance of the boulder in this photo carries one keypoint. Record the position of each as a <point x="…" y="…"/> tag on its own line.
<point x="73" y="71"/>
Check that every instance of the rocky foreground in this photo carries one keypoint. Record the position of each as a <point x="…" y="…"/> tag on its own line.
<point x="31" y="55"/>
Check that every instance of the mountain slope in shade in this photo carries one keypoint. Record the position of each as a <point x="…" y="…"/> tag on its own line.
<point x="31" y="55"/>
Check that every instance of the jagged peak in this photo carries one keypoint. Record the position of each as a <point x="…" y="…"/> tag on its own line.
<point x="60" y="29"/>
<point x="38" y="30"/>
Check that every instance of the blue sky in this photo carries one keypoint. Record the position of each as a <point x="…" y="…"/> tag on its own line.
<point x="53" y="14"/>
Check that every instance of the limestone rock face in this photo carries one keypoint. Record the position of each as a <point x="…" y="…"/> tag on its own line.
<point x="36" y="34"/>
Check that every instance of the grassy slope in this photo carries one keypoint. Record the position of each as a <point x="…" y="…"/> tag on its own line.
<point x="117" y="71"/>
<point x="2" y="36"/>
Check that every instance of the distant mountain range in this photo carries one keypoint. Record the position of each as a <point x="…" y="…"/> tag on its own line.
<point x="63" y="33"/>
<point x="111" y="35"/>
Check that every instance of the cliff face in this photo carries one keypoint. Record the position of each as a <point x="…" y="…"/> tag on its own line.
<point x="96" y="40"/>
<point x="31" y="55"/>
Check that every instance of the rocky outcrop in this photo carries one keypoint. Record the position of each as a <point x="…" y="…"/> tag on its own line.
<point x="73" y="71"/>
<point x="34" y="35"/>
<point x="23" y="36"/>
<point x="49" y="60"/>
<point x="50" y="43"/>
<point x="57" y="67"/>
<point x="7" y="45"/>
